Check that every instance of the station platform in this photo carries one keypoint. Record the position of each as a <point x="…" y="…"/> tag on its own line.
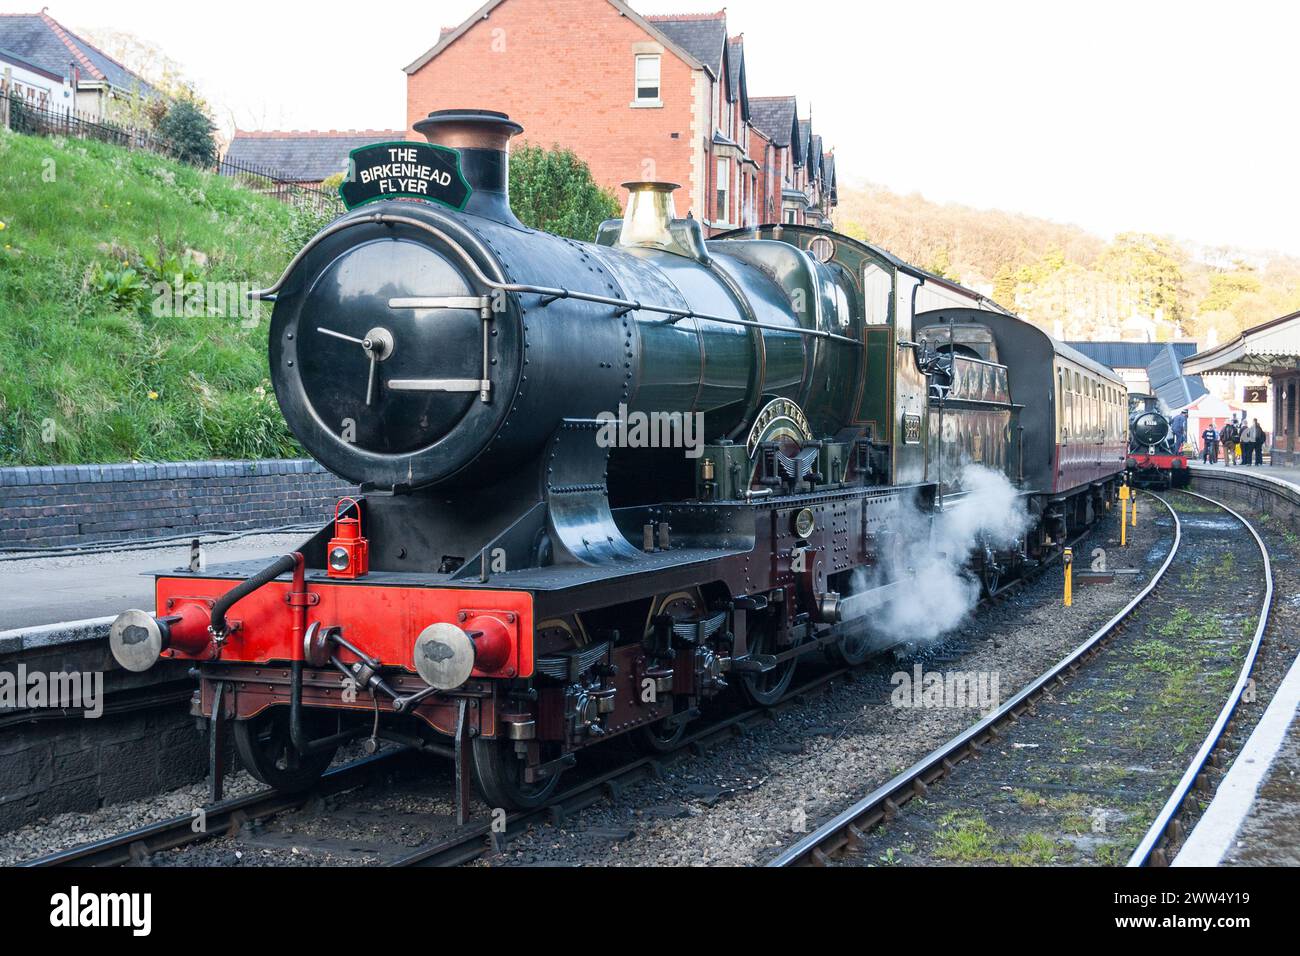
<point x="44" y="589"/>
<point x="1254" y="817"/>
<point x="1289" y="474"/>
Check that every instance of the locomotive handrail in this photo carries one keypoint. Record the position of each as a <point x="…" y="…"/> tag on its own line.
<point x="548" y="293"/>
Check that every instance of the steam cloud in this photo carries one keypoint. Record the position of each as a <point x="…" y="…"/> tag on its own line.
<point x="939" y="590"/>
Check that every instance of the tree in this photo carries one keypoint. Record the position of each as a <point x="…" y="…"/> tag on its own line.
<point x="187" y="132"/>
<point x="1226" y="288"/>
<point x="1151" y="268"/>
<point x="1004" y="286"/>
<point x="146" y="60"/>
<point x="553" y="190"/>
<point x="942" y="265"/>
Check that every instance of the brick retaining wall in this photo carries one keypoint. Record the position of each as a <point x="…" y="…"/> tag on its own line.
<point x="51" y="764"/>
<point x="51" y="506"/>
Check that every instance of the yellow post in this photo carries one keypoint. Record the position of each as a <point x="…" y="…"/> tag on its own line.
<point x="1069" y="577"/>
<point x="1135" y="511"/>
<point x="1123" y="516"/>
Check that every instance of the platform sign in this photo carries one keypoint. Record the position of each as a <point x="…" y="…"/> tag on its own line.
<point x="404" y="171"/>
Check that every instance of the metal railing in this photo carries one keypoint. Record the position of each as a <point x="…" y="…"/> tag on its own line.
<point x="24" y="116"/>
<point x="274" y="183"/>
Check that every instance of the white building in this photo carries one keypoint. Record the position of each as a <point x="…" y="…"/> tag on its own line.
<point x="38" y="88"/>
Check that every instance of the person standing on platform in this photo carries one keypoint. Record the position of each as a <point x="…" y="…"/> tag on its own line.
<point x="1179" y="425"/>
<point x="1247" y="443"/>
<point x="1228" y="436"/>
<point x="1255" y="450"/>
<point x="1210" y="445"/>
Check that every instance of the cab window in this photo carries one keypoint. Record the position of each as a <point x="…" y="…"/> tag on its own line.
<point x="876" y="286"/>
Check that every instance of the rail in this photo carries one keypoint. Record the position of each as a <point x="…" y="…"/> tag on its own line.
<point x="849" y="826"/>
<point x="1150" y="849"/>
<point x="218" y="819"/>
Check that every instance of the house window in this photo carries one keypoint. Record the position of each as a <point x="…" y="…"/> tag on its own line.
<point x="724" y="178"/>
<point x="647" y="78"/>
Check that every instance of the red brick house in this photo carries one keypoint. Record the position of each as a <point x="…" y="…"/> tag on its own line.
<point x="638" y="98"/>
<point x="776" y="123"/>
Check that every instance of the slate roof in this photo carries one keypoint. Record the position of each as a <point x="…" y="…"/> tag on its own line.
<point x="1165" y="372"/>
<point x="303" y="157"/>
<point x="10" y="57"/>
<point x="1119" y="355"/>
<point x="805" y="138"/>
<point x="736" y="62"/>
<point x="42" y="41"/>
<point x="774" y="117"/>
<point x="702" y="35"/>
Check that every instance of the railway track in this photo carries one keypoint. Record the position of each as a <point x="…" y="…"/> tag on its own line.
<point x="458" y="845"/>
<point x="847" y="833"/>
<point x="1168" y="826"/>
<point x="227" y="817"/>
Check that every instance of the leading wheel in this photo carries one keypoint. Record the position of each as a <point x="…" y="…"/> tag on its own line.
<point x="266" y="750"/>
<point x="851" y="649"/>
<point x="659" y="737"/>
<point x="767" y="687"/>
<point x="990" y="572"/>
<point x="499" y="774"/>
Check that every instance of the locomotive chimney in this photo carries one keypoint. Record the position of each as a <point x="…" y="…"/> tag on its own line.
<point x="482" y="137"/>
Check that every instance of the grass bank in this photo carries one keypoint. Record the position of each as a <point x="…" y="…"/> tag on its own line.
<point x="94" y="366"/>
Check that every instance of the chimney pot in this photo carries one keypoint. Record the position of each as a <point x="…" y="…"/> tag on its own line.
<point x="482" y="137"/>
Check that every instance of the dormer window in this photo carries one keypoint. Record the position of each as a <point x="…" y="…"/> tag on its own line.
<point x="647" y="80"/>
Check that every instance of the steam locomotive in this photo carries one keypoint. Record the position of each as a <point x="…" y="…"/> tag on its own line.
<point x="1154" y="460"/>
<point x="525" y="573"/>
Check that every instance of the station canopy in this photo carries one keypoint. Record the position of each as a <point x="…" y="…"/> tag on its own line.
<point x="1265" y="349"/>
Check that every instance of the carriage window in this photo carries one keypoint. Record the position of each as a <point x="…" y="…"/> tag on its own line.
<point x="1093" y="412"/>
<point x="1089" y="408"/>
<point x="1068" y="431"/>
<point x="1076" y="420"/>
<point x="876" y="285"/>
<point x="1060" y="402"/>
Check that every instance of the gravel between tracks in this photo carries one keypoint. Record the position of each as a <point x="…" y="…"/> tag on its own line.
<point x="1268" y="836"/>
<point x="1081" y="779"/>
<point x="72" y="829"/>
<point x="735" y="804"/>
<point x="741" y="801"/>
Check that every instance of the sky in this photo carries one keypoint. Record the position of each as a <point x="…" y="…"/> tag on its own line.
<point x="1170" y="117"/>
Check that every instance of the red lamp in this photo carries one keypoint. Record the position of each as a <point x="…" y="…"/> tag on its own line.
<point x="348" y="555"/>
